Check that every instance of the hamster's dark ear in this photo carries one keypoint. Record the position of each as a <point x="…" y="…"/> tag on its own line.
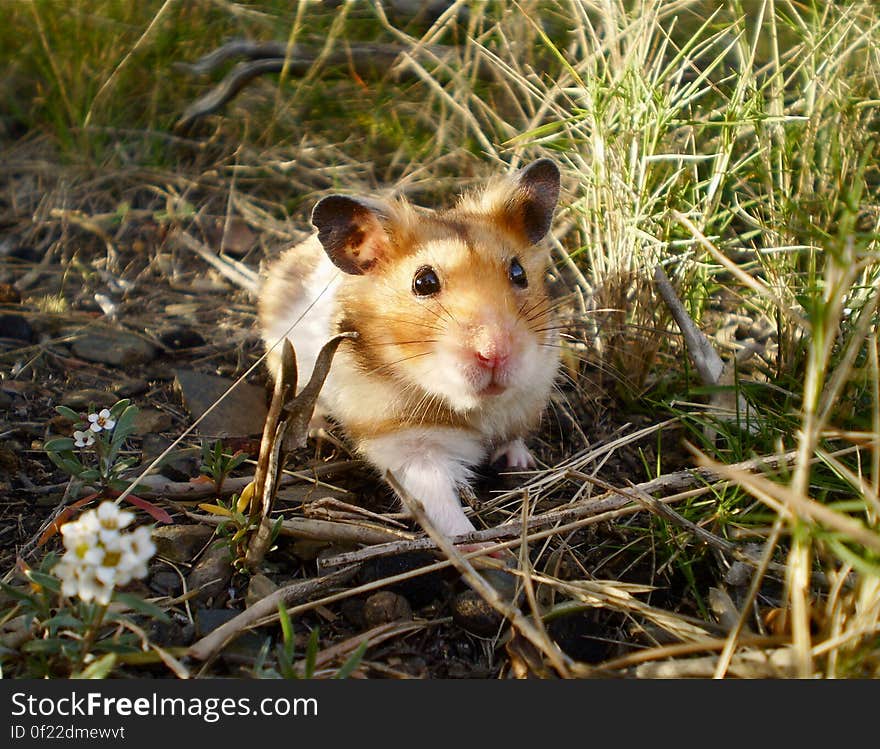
<point x="530" y="205"/>
<point x="351" y="233"/>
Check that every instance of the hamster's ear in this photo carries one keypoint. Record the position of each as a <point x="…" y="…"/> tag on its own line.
<point x="530" y="204"/>
<point x="351" y="233"/>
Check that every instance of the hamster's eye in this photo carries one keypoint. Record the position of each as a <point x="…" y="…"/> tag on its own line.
<point x="517" y="274"/>
<point x="425" y="281"/>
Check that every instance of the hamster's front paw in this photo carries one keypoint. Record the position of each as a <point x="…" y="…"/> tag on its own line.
<point x="515" y="454"/>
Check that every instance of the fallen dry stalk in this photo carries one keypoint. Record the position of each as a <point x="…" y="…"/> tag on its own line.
<point x="323" y="530"/>
<point x="613" y="503"/>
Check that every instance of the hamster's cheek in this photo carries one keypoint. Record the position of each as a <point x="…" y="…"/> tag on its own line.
<point x="443" y="374"/>
<point x="534" y="365"/>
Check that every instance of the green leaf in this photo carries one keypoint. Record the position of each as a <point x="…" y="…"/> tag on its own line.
<point x="69" y="414"/>
<point x="124" y="428"/>
<point x="52" y="645"/>
<point x="98" y="669"/>
<point x="69" y="464"/>
<point x="17" y="593"/>
<point x="141" y="606"/>
<point x="236" y="460"/>
<point x="63" y="619"/>
<point x="59" y="445"/>
<point x="311" y="653"/>
<point x="286" y="631"/>
<point x="347" y="668"/>
<point x="276" y="530"/>
<point x="46" y="581"/>
<point x="117" y="408"/>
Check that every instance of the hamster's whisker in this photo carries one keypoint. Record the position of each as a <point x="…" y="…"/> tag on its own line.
<point x="398" y="361"/>
<point x="400" y="343"/>
<point x="561" y="326"/>
<point x="535" y="313"/>
<point x="414" y="323"/>
<point x="448" y="313"/>
<point x="548" y="304"/>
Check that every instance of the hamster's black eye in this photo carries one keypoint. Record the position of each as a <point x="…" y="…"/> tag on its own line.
<point x="425" y="281"/>
<point x="517" y="274"/>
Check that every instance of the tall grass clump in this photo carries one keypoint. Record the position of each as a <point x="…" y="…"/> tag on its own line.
<point x="736" y="144"/>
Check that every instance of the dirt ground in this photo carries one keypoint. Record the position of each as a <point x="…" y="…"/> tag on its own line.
<point x="83" y="288"/>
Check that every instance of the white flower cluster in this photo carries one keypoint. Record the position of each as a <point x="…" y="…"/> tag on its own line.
<point x="99" y="556"/>
<point x="100" y="421"/>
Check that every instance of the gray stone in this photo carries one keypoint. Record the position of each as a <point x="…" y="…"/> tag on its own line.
<point x="241" y="414"/>
<point x="181" y="543"/>
<point x="259" y="586"/>
<point x="82" y="399"/>
<point x="129" y="387"/>
<point x="166" y="583"/>
<point x="152" y="421"/>
<point x="211" y="574"/>
<point x="114" y="347"/>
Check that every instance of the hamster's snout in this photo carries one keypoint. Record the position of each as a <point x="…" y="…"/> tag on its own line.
<point x="490" y="354"/>
<point x="492" y="349"/>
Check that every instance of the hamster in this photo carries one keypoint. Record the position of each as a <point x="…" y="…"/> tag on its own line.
<point x="456" y="350"/>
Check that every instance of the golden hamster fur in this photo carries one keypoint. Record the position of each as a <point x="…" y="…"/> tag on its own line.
<point x="456" y="351"/>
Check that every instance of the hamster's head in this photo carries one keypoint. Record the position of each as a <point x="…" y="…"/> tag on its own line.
<point x="449" y="305"/>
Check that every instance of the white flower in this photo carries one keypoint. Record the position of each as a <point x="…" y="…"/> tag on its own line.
<point x="83" y="439"/>
<point x="99" y="556"/>
<point x="101" y="420"/>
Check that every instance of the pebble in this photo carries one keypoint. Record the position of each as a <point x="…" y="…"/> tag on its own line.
<point x="88" y="397"/>
<point x="181" y="543"/>
<point x="114" y="347"/>
<point x="166" y="583"/>
<point x="9" y="294"/>
<point x="129" y="387"/>
<point x="242" y="413"/>
<point x="386" y="606"/>
<point x="179" y="465"/>
<point x="152" y="421"/>
<point x="259" y="586"/>
<point x="473" y="614"/>
<point x="207" y="620"/>
<point x="211" y="573"/>
<point x="244" y="649"/>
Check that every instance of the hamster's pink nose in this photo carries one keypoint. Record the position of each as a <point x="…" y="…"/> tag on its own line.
<point x="493" y="355"/>
<point x="492" y="360"/>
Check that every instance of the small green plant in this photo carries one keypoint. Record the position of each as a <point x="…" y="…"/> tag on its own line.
<point x="93" y="456"/>
<point x="217" y="465"/>
<point x="285" y="655"/>
<point x="94" y="453"/>
<point x="237" y="526"/>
